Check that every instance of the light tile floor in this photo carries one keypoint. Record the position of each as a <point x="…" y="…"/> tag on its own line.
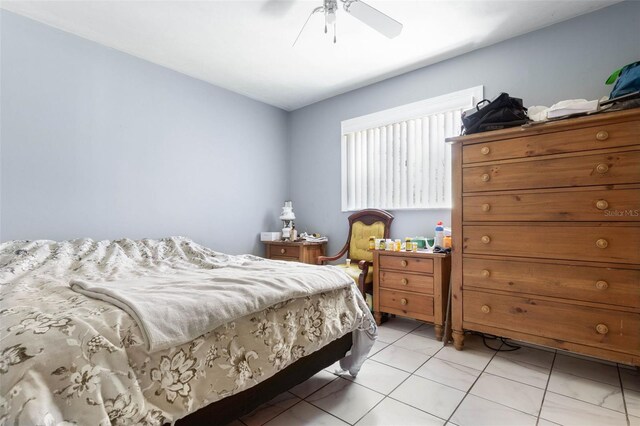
<point x="411" y="379"/>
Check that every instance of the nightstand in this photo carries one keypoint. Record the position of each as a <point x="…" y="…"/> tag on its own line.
<point x="298" y="251"/>
<point x="414" y="285"/>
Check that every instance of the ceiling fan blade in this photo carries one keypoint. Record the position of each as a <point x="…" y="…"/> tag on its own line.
<point x="371" y="16"/>
<point x="317" y="9"/>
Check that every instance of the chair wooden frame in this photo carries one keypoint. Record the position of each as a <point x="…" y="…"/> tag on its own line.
<point x="368" y="217"/>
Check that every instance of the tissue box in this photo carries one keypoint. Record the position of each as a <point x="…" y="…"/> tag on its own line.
<point x="270" y="236"/>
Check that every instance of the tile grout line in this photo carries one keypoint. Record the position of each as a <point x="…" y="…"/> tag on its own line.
<point x="388" y="396"/>
<point x="624" y="399"/>
<point x="313" y="405"/>
<point x="587" y="378"/>
<point x="331" y="381"/>
<point x="340" y="377"/>
<point x="305" y="399"/>
<point x="413" y="373"/>
<point x="451" y="387"/>
<point x="544" y="395"/>
<point x="472" y="385"/>
<point x="400" y="384"/>
<point x="282" y="412"/>
<point x="513" y="380"/>
<point x="504" y="405"/>
<point x="409" y="376"/>
<point x="371" y="409"/>
<point x="584" y="402"/>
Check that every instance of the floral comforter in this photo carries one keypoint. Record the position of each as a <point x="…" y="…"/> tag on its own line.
<point x="67" y="358"/>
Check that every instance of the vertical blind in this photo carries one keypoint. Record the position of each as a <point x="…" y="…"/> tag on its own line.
<point x="401" y="165"/>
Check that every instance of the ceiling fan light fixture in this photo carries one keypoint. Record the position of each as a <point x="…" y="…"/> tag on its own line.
<point x="330" y="17"/>
<point x="372" y="17"/>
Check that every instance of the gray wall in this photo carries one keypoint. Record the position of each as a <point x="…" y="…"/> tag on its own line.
<point x="565" y="61"/>
<point x="97" y="143"/>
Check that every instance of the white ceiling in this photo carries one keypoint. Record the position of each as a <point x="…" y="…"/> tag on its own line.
<point x="245" y="46"/>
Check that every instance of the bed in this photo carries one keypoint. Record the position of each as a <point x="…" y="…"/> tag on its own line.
<point x="67" y="357"/>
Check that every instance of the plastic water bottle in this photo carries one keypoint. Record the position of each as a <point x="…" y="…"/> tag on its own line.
<point x="439" y="239"/>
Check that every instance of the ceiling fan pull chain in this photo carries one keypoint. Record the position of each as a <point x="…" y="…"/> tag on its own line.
<point x="334" y="33"/>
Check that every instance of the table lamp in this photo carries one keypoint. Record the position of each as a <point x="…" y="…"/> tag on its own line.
<point x="287" y="216"/>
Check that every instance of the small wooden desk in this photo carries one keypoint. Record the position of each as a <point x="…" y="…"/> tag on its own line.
<point x="414" y="285"/>
<point x="298" y="251"/>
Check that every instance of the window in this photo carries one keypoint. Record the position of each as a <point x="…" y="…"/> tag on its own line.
<point x="398" y="159"/>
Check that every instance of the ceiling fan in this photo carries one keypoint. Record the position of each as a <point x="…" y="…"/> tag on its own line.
<point x="369" y="15"/>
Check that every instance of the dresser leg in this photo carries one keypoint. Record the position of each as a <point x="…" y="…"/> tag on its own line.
<point x="378" y="317"/>
<point x="439" y="330"/>
<point x="458" y="339"/>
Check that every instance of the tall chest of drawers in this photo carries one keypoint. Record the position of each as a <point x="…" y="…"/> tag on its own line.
<point x="546" y="235"/>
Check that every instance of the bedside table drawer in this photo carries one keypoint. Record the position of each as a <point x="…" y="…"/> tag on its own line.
<point x="279" y="252"/>
<point x="299" y="251"/>
<point x="406" y="281"/>
<point x="289" y="258"/>
<point x="406" y="303"/>
<point x="410" y="264"/>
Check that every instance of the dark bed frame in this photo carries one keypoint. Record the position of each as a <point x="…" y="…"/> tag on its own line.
<point x="228" y="409"/>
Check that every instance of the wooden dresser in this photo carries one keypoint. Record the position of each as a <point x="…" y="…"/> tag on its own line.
<point x="298" y="251"/>
<point x="546" y="235"/>
<point x="414" y="285"/>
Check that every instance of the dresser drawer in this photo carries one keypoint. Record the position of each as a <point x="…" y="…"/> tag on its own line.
<point x="406" y="281"/>
<point x="592" y="243"/>
<point x="584" y="139"/>
<point x="600" y="285"/>
<point x="281" y="252"/>
<point x="402" y="263"/>
<point x="601" y="205"/>
<point x="603" y="328"/>
<point x="406" y="303"/>
<point x="599" y="169"/>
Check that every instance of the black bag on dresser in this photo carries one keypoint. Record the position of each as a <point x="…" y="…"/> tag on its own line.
<point x="500" y="113"/>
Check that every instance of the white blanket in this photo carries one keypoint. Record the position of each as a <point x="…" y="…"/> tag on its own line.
<point x="175" y="308"/>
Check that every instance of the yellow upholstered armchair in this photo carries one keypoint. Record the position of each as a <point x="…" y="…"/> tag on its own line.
<point x="362" y="225"/>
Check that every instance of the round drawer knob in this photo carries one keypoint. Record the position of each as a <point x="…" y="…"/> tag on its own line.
<point x="602" y="204"/>
<point x="485" y="273"/>
<point x="602" y="243"/>
<point x="404" y="281"/>
<point x="602" y="285"/>
<point x="403" y="301"/>
<point x="485" y="150"/>
<point x="602" y="135"/>
<point x="486" y="207"/>
<point x="602" y="168"/>
<point x="485" y="309"/>
<point x="485" y="239"/>
<point x="404" y="263"/>
<point x="283" y="251"/>
<point x="485" y="177"/>
<point x="602" y="329"/>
